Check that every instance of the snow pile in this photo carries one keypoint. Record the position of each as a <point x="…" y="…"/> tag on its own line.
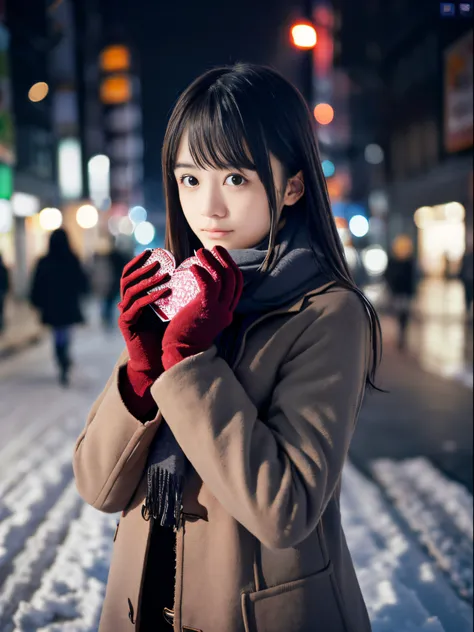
<point x="38" y="553"/>
<point x="438" y="510"/>
<point x="72" y="590"/>
<point x="404" y="590"/>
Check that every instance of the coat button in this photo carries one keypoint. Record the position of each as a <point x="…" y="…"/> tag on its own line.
<point x="145" y="513"/>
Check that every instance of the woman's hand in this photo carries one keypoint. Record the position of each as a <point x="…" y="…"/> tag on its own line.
<point x="141" y="329"/>
<point x="195" y="326"/>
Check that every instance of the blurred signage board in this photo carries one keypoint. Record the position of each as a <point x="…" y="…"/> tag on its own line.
<point x="116" y="90"/>
<point x="120" y="97"/>
<point x="69" y="168"/>
<point x="115" y="59"/>
<point x="458" y="97"/>
<point x="7" y="153"/>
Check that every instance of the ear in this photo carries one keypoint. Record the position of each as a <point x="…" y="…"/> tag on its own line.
<point x="294" y="189"/>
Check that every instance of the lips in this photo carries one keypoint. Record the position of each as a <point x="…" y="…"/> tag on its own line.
<point x="217" y="233"/>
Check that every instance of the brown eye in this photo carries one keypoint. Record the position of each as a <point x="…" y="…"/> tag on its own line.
<point x="189" y="181"/>
<point x="235" y="180"/>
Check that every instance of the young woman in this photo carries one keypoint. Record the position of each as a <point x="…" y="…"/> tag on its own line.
<point x="221" y="437"/>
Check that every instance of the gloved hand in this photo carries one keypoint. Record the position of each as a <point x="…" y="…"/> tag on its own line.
<point x="195" y="326"/>
<point x="141" y="329"/>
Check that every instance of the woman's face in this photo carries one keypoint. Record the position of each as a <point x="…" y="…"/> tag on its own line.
<point x="229" y="207"/>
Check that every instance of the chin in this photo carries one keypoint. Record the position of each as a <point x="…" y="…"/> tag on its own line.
<point x="209" y="244"/>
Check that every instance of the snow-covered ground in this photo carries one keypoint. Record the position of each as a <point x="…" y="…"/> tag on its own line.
<point x="440" y="511"/>
<point x="55" y="551"/>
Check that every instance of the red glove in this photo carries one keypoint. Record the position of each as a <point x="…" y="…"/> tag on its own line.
<point x="195" y="326"/>
<point x="142" y="331"/>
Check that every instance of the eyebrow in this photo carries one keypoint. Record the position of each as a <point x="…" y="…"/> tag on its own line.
<point x="185" y="165"/>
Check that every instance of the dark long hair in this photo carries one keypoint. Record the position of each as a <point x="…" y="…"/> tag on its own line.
<point x="236" y="117"/>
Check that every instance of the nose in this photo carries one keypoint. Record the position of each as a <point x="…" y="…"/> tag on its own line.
<point x="212" y="203"/>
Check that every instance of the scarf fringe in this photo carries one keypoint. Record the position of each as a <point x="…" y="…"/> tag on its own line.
<point x="164" y="496"/>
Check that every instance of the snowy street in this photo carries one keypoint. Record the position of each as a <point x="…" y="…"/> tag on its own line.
<point x="410" y="529"/>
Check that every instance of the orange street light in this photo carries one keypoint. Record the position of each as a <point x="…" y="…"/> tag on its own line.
<point x="303" y="35"/>
<point x="324" y="113"/>
<point x="38" y="91"/>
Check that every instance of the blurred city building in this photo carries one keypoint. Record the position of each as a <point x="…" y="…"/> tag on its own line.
<point x="411" y="84"/>
<point x="52" y="53"/>
<point x="32" y="168"/>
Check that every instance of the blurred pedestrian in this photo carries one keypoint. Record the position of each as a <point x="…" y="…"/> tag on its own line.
<point x="401" y="281"/>
<point x="466" y="275"/>
<point x="59" y="283"/>
<point x="4" y="286"/>
<point x="260" y="375"/>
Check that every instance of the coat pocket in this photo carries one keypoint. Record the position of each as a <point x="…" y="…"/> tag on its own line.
<point x="305" y="605"/>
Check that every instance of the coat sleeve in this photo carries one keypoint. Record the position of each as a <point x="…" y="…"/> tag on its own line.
<point x="276" y="474"/>
<point x="110" y="454"/>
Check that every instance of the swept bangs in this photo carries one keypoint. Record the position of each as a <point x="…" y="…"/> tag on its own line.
<point x="217" y="138"/>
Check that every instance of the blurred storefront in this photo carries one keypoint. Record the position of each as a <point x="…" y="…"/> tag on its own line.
<point x="436" y="205"/>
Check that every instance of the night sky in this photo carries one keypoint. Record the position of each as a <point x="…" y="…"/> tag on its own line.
<point x="177" y="41"/>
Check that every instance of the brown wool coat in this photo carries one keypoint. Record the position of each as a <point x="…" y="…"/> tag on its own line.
<point x="261" y="547"/>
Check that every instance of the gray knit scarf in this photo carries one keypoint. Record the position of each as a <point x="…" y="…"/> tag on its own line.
<point x="297" y="271"/>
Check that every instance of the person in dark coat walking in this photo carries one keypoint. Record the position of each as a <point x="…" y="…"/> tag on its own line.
<point x="400" y="278"/>
<point x="59" y="282"/>
<point x="4" y="285"/>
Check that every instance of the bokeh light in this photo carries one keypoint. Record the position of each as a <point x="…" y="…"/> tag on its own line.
<point x="144" y="233"/>
<point x="454" y="212"/>
<point x="328" y="168"/>
<point x="38" y="91"/>
<point x="125" y="226"/>
<point x="87" y="216"/>
<point x="324" y="113"/>
<point x="359" y="226"/>
<point x="423" y="216"/>
<point x="304" y="36"/>
<point x="99" y="164"/>
<point x="375" y="260"/>
<point x="50" y="219"/>
<point x="374" y="154"/>
<point x="402" y="247"/>
<point x="137" y="214"/>
<point x="115" y="58"/>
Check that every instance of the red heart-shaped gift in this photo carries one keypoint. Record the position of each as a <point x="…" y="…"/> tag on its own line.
<point x="183" y="285"/>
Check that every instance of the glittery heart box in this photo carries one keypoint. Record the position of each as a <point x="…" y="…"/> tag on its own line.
<point x="183" y="285"/>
